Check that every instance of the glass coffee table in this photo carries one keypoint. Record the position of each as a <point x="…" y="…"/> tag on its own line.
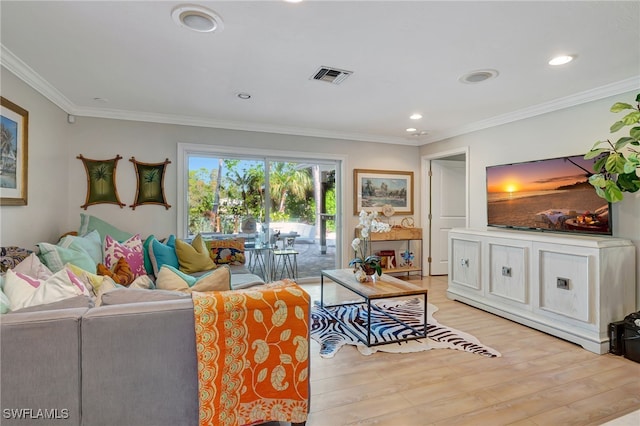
<point x="384" y="287"/>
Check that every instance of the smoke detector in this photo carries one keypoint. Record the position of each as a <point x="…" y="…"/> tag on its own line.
<point x="330" y="75"/>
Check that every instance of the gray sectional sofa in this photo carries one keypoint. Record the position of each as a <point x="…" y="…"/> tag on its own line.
<point x="122" y="364"/>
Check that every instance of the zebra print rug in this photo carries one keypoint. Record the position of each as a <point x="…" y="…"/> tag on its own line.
<point x="332" y="335"/>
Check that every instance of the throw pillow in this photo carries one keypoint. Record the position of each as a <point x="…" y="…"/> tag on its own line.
<point x="108" y="286"/>
<point x="74" y="251"/>
<point x="194" y="257"/>
<point x="148" y="266"/>
<point x="11" y="256"/>
<point x="131" y="250"/>
<point x="90" y="242"/>
<point x="227" y="251"/>
<point x="120" y="274"/>
<point x="170" y="278"/>
<point x="91" y="281"/>
<point x="89" y="223"/>
<point x="33" y="267"/>
<point x="5" y="303"/>
<point x="163" y="254"/>
<point x="24" y="291"/>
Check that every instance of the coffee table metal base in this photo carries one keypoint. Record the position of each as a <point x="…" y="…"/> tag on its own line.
<point x="366" y="338"/>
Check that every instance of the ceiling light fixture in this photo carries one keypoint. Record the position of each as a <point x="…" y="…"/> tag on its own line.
<point x="411" y="129"/>
<point x="478" y="76"/>
<point x="561" y="60"/>
<point x="415" y="116"/>
<point x="243" y="96"/>
<point x="197" y="18"/>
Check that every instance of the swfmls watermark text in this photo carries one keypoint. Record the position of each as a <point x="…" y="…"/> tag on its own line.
<point x="35" y="413"/>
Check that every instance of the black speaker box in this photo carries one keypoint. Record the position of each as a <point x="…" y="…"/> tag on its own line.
<point x="616" y="338"/>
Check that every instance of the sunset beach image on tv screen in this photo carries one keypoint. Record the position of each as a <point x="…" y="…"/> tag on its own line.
<point x="552" y="194"/>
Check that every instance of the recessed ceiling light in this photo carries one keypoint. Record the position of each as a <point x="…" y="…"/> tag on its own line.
<point x="478" y="76"/>
<point x="244" y="96"/>
<point x="293" y="1"/>
<point x="197" y="18"/>
<point x="411" y="129"/>
<point x="561" y="60"/>
<point x="415" y="116"/>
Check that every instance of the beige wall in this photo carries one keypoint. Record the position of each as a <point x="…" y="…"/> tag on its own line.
<point x="571" y="131"/>
<point x="97" y="138"/>
<point x="44" y="218"/>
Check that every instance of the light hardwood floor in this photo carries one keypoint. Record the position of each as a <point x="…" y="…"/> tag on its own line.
<point x="539" y="380"/>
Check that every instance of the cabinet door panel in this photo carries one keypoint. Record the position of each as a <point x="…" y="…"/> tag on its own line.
<point x="508" y="272"/>
<point x="465" y="267"/>
<point x="564" y="284"/>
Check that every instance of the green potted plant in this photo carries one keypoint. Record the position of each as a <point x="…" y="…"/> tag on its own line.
<point x="617" y="169"/>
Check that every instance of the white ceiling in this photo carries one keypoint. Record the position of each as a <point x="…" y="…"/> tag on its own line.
<point x="406" y="56"/>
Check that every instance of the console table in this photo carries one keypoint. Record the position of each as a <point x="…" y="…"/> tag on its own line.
<point x="570" y="286"/>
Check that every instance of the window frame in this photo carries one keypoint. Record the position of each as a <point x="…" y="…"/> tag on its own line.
<point x="186" y="150"/>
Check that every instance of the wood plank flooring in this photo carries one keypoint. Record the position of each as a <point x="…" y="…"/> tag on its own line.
<point x="539" y="380"/>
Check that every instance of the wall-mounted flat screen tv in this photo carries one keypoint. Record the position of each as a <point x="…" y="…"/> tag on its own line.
<point x="547" y="195"/>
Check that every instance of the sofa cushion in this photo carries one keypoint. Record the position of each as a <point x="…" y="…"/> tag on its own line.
<point x="80" y="301"/>
<point x="79" y="251"/>
<point x="227" y="251"/>
<point x="90" y="223"/>
<point x="194" y="257"/>
<point x="136" y="295"/>
<point x="240" y="281"/>
<point x="130" y="250"/>
<point x="11" y="256"/>
<point x="170" y="278"/>
<point x="24" y="291"/>
<point x="163" y="254"/>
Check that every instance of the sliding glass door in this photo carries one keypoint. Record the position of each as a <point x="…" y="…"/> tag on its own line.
<point x="284" y="203"/>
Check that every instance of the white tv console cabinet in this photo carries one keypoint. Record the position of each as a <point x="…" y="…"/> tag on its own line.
<point x="570" y="286"/>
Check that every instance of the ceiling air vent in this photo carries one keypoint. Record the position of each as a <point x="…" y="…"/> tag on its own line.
<point x="331" y="75"/>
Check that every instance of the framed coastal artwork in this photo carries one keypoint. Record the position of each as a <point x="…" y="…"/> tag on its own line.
<point x="150" y="183"/>
<point x="14" y="128"/>
<point x="373" y="189"/>
<point x="101" y="181"/>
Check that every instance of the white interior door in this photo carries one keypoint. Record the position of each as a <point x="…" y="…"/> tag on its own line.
<point x="448" y="209"/>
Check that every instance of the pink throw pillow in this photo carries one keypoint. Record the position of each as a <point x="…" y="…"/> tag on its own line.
<point x="130" y="250"/>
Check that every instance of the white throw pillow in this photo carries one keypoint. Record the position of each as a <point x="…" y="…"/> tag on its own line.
<point x="24" y="291"/>
<point x="33" y="267"/>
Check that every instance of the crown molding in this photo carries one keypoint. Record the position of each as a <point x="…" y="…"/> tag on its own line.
<point x="116" y="114"/>
<point x="24" y="72"/>
<point x="15" y="65"/>
<point x="601" y="92"/>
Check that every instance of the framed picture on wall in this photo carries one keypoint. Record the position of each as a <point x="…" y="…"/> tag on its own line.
<point x="14" y="127"/>
<point x="373" y="189"/>
<point x="101" y="181"/>
<point x="150" y="183"/>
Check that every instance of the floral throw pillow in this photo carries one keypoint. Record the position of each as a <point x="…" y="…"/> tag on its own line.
<point x="130" y="250"/>
<point x="228" y="251"/>
<point x="12" y="256"/>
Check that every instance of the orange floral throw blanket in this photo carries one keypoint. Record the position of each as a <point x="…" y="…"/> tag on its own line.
<point x="253" y="354"/>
